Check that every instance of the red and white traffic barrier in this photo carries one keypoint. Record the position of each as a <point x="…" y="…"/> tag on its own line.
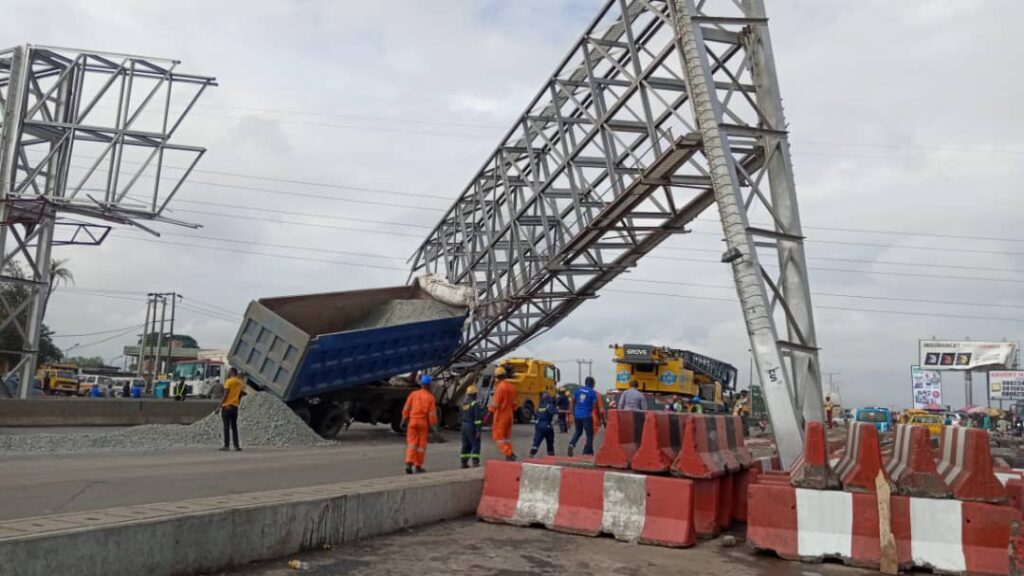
<point x="912" y="467"/>
<point x="631" y="507"/>
<point x="862" y="460"/>
<point x="966" y="465"/>
<point x="944" y="535"/>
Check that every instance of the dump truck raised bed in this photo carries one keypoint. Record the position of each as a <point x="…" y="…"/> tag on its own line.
<point x="340" y="357"/>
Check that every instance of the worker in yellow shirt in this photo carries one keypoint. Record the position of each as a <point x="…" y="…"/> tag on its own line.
<point x="229" y="402"/>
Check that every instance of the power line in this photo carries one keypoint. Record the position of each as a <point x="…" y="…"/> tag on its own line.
<point x="121" y="329"/>
<point x="450" y="198"/>
<point x="108" y="339"/>
<point x="213" y="306"/>
<point x="283" y="246"/>
<point x="835" y="294"/>
<point x="868" y="310"/>
<point x="286" y="257"/>
<point x="307" y="214"/>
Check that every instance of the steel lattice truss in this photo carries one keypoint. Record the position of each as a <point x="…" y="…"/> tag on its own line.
<point x="82" y="133"/>
<point x="661" y="109"/>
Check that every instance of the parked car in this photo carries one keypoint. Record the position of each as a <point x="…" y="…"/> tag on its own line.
<point x="130" y="381"/>
<point x="87" y="381"/>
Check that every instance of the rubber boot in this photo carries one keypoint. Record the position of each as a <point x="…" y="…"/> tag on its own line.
<point x="476" y="462"/>
<point x="420" y="470"/>
<point x="511" y="458"/>
<point x="465" y="464"/>
<point x="408" y="468"/>
<point x="570" y="450"/>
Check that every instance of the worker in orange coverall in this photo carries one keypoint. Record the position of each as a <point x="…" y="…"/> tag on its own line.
<point x="503" y="407"/>
<point x="419" y="417"/>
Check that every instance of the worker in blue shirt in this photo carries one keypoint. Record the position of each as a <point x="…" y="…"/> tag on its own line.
<point x="544" y="429"/>
<point x="563" y="412"/>
<point x="472" y="416"/>
<point x="583" y="413"/>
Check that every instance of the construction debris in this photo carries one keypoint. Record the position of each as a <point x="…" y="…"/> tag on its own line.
<point x="264" y="420"/>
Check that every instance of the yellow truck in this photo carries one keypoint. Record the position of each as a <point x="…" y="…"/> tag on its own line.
<point x="59" y="379"/>
<point x="530" y="377"/>
<point x="664" y="370"/>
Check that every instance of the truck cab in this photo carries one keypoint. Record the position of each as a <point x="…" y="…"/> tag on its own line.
<point x="880" y="417"/>
<point x="530" y="377"/>
<point x="203" y="377"/>
<point x="59" y="379"/>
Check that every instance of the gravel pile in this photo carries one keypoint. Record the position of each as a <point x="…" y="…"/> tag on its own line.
<point x="263" y="420"/>
<point x="395" y="312"/>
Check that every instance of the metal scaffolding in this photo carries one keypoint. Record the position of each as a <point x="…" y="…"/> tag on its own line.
<point x="661" y="109"/>
<point x="115" y="114"/>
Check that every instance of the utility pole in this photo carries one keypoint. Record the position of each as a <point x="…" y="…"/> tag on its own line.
<point x="831" y="386"/>
<point x="170" y="339"/>
<point x="579" y="369"/>
<point x="142" y="339"/>
<point x="158" y="358"/>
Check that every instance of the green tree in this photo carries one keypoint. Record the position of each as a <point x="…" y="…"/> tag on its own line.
<point x="86" y="362"/>
<point x="14" y="294"/>
<point x="60" y="274"/>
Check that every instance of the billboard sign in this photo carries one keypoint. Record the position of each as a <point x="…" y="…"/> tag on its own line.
<point x="1006" y="384"/>
<point x="965" y="355"/>
<point x="926" y="386"/>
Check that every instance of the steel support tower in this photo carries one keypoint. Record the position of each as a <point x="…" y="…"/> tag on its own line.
<point x="662" y="109"/>
<point x="81" y="133"/>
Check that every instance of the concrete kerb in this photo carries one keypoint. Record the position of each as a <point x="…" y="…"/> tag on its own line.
<point x="101" y="411"/>
<point x="209" y="534"/>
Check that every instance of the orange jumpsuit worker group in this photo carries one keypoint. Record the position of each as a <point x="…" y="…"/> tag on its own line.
<point x="419" y="417"/>
<point x="503" y="408"/>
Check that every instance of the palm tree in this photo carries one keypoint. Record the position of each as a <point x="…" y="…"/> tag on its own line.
<point x="59" y="274"/>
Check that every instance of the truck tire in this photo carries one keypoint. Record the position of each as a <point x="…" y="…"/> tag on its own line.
<point x="525" y="414"/>
<point x="331" y="421"/>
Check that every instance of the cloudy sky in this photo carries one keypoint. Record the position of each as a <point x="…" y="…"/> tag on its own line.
<point x="340" y="130"/>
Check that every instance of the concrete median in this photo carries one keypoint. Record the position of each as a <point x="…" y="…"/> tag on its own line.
<point x="208" y="534"/>
<point x="101" y="411"/>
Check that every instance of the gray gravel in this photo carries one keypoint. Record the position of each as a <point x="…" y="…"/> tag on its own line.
<point x="263" y="420"/>
<point x="394" y="312"/>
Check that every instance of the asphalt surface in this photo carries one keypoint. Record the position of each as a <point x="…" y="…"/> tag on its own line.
<point x="36" y="485"/>
<point x="471" y="547"/>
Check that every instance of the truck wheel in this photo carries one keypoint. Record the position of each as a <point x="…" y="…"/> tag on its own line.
<point x="526" y="413"/>
<point x="331" y="422"/>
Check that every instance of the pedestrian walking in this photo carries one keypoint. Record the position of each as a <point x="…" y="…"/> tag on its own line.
<point x="229" y="403"/>
<point x="633" y="398"/>
<point x="584" y="400"/>
<point x="419" y="418"/>
<point x="472" y="421"/>
<point x="544" y="429"/>
<point x="563" y="411"/>
<point x="503" y="408"/>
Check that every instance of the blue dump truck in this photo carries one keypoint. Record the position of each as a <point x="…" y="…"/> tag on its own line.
<point x="344" y="357"/>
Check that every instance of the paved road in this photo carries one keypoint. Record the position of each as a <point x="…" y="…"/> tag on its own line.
<point x="471" y="547"/>
<point x="36" y="485"/>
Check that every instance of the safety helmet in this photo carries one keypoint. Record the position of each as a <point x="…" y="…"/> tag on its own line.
<point x="696" y="400"/>
<point x="471" y="389"/>
<point x="499" y="372"/>
<point x="426" y="379"/>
